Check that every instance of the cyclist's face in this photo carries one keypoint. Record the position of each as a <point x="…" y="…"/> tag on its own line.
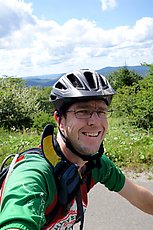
<point x="85" y="134"/>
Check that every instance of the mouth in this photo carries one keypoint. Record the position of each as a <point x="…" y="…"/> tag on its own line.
<point x="92" y="134"/>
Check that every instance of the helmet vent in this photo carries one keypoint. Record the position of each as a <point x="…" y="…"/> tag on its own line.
<point x="74" y="80"/>
<point x="104" y="85"/>
<point x="53" y="97"/>
<point x="59" y="85"/>
<point x="90" y="79"/>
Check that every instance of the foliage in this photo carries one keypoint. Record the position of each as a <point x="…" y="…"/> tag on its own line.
<point x="22" y="107"/>
<point x="18" y="104"/>
<point x="41" y="119"/>
<point x="43" y="99"/>
<point x="151" y="68"/>
<point x="142" y="113"/>
<point x="44" y="115"/>
<point x="136" y="103"/>
<point x="123" y="77"/>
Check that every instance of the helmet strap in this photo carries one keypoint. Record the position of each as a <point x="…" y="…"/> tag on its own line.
<point x="82" y="156"/>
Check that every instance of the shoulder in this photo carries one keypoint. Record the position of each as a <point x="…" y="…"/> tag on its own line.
<point x="32" y="160"/>
<point x="32" y="168"/>
<point x="109" y="175"/>
<point x="33" y="174"/>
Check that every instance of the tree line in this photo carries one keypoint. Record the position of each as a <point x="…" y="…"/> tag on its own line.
<point x="23" y="107"/>
<point x="134" y="98"/>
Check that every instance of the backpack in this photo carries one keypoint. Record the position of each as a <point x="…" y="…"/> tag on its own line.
<point x="4" y="170"/>
<point x="67" y="178"/>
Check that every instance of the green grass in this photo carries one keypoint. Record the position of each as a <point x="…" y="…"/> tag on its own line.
<point x="127" y="146"/>
<point x="11" y="142"/>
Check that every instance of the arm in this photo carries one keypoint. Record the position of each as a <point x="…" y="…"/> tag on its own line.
<point x="138" y="196"/>
<point x="25" y="197"/>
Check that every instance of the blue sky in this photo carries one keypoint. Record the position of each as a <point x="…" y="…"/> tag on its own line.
<point x="125" y="12"/>
<point x="55" y="36"/>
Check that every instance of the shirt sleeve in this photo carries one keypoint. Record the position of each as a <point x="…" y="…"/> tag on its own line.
<point x="26" y="195"/>
<point x="109" y="175"/>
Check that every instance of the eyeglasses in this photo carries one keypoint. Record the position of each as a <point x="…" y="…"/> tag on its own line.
<point x="87" y="113"/>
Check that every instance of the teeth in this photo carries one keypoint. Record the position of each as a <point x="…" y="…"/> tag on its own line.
<point x="91" y="134"/>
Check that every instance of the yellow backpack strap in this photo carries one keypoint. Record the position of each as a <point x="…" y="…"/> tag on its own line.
<point x="48" y="146"/>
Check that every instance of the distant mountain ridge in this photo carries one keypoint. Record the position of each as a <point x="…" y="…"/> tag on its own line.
<point x="50" y="79"/>
<point x="141" y="70"/>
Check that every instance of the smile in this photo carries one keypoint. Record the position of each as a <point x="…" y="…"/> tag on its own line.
<point x="91" y="134"/>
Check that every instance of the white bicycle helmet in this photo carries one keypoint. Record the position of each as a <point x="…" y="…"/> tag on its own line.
<point x="80" y="85"/>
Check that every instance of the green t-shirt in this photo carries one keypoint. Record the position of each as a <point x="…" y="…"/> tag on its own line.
<point x="31" y="191"/>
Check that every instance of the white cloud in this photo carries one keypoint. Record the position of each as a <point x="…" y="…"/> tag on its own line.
<point x="13" y="15"/>
<point x="142" y="31"/>
<point x="108" y="4"/>
<point x="29" y="46"/>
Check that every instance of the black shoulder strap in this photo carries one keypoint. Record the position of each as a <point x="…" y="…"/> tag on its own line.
<point x="80" y="216"/>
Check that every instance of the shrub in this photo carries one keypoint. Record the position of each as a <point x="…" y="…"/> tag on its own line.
<point x="136" y="103"/>
<point x="123" y="77"/>
<point x="18" y="104"/>
<point x="41" y="119"/>
<point x="43" y="99"/>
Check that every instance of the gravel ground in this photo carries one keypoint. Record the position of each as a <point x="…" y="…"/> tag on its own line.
<point x="139" y="177"/>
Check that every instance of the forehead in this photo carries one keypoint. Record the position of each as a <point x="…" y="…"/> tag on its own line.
<point x="90" y="104"/>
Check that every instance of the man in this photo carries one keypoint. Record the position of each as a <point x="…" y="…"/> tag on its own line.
<point x="34" y="197"/>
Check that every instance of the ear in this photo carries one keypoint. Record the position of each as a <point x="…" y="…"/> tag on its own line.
<point x="56" y="116"/>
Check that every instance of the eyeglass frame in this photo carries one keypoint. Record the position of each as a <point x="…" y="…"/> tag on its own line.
<point x="104" y="113"/>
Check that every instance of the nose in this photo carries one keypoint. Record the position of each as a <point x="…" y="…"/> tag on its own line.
<point x="94" y="119"/>
<point x="94" y="113"/>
